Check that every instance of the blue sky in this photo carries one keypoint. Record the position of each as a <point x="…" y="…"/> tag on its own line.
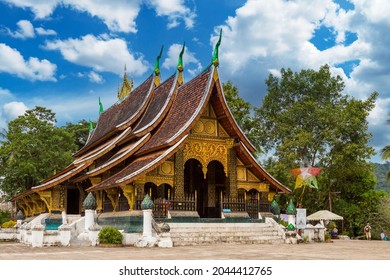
<point x="65" y="54"/>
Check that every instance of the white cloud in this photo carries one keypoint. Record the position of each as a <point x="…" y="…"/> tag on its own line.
<point x="101" y="54"/>
<point x="375" y="11"/>
<point x="380" y="114"/>
<point x="12" y="62"/>
<point x="95" y="77"/>
<point x="118" y="15"/>
<point x="13" y="110"/>
<point x="175" y="10"/>
<point x="264" y="36"/>
<point x="25" y="30"/>
<point x="41" y="8"/>
<point x="5" y="93"/>
<point x="188" y="59"/>
<point x="42" y="31"/>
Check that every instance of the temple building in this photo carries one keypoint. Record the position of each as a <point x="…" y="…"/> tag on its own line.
<point x="174" y="140"/>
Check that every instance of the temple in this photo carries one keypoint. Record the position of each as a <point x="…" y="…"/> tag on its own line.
<point x="174" y="140"/>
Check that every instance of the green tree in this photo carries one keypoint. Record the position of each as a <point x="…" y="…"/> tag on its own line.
<point x="80" y="132"/>
<point x="33" y="149"/>
<point x="305" y="117"/>
<point x="385" y="153"/>
<point x="242" y="111"/>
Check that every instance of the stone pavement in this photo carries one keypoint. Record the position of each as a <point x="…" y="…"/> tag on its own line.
<point x="337" y="250"/>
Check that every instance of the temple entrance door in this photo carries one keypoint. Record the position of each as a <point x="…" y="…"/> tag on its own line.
<point x="151" y="190"/>
<point x="73" y="201"/>
<point x="194" y="182"/>
<point x="216" y="184"/>
<point x="252" y="204"/>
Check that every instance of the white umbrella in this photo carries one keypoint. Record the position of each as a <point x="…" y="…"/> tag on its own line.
<point x="324" y="215"/>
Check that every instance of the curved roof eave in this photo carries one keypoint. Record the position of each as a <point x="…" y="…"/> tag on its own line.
<point x="116" y="159"/>
<point x="232" y="120"/>
<point x="60" y="179"/>
<point x="123" y="124"/>
<point x="196" y="115"/>
<point x="159" y="116"/>
<point x="260" y="169"/>
<point x="101" y="151"/>
<point x="179" y="122"/>
<point x="127" y="178"/>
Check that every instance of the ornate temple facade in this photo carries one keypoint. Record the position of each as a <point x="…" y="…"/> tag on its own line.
<point x="176" y="141"/>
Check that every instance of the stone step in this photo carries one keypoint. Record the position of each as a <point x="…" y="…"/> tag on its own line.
<point x="222" y="234"/>
<point x="186" y="234"/>
<point x="231" y="241"/>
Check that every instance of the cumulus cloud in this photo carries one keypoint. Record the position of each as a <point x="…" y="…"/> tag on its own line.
<point x="102" y="54"/>
<point x="13" y="110"/>
<point x="264" y="35"/>
<point x="5" y="93"/>
<point x="41" y="8"/>
<point x="25" y="30"/>
<point x="45" y="32"/>
<point x="189" y="59"/>
<point x="119" y="15"/>
<point x="95" y="77"/>
<point x="12" y="62"/>
<point x="175" y="10"/>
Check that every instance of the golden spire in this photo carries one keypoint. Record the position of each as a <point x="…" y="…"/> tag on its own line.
<point x="127" y="86"/>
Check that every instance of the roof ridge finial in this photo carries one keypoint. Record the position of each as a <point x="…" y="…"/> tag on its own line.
<point x="90" y="126"/>
<point x="180" y="67"/>
<point x="215" y="60"/>
<point x="157" y="65"/>
<point x="100" y="106"/>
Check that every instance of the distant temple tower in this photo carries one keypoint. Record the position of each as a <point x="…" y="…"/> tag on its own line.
<point x="126" y="87"/>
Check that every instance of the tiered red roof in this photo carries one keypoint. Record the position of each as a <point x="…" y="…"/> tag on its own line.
<point x="150" y="125"/>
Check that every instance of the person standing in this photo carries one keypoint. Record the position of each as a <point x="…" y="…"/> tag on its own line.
<point x="367" y="231"/>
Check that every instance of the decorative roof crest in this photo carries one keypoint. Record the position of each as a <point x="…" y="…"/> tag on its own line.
<point x="157" y="68"/>
<point x="180" y="67"/>
<point x="90" y="126"/>
<point x="101" y="110"/>
<point x="215" y="60"/>
<point x="157" y="64"/>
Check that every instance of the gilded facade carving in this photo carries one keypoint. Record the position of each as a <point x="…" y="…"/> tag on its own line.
<point x="99" y="201"/>
<point x="241" y="173"/>
<point x="207" y="150"/>
<point x="159" y="180"/>
<point x="167" y="168"/>
<point x="112" y="195"/>
<point x="260" y="187"/>
<point x="129" y="193"/>
<point x="179" y="174"/>
<point x="46" y="198"/>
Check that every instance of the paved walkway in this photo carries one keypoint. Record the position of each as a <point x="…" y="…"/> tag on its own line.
<point x="337" y="250"/>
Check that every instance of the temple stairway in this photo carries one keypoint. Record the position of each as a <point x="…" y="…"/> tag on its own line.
<point x="187" y="234"/>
